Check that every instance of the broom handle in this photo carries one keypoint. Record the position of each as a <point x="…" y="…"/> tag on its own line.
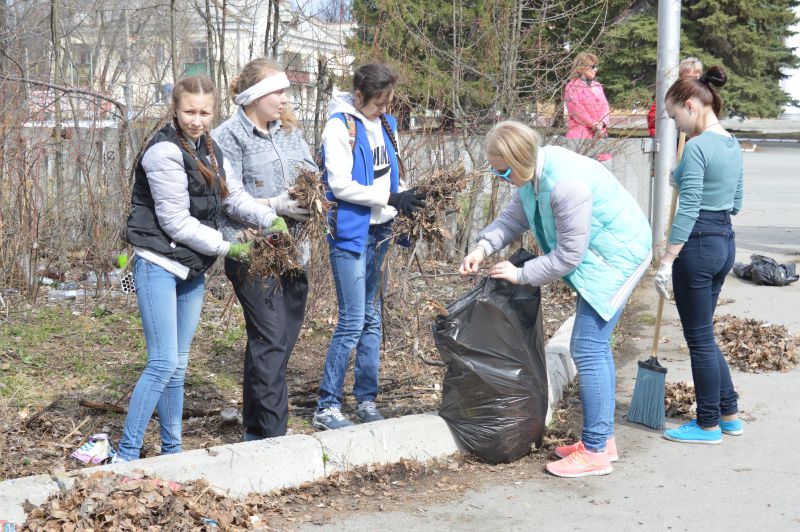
<point x="672" y="208"/>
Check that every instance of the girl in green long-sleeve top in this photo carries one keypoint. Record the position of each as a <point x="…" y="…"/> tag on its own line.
<point x="702" y="248"/>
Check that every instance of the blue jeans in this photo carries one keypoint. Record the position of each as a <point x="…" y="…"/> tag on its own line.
<point x="697" y="277"/>
<point x="358" y="279"/>
<point x="591" y="350"/>
<point x="170" y="309"/>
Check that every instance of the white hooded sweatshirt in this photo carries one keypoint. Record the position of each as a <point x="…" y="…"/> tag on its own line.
<point x="339" y="160"/>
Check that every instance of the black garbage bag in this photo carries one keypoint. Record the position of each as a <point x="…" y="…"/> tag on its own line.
<point x="495" y="389"/>
<point x="767" y="271"/>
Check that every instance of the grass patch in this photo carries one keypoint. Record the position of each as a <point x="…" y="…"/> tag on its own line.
<point x="646" y="319"/>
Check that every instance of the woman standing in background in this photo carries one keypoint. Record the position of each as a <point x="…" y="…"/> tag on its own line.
<point x="587" y="107"/>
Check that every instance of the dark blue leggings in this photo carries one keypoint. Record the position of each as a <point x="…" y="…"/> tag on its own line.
<point x="697" y="277"/>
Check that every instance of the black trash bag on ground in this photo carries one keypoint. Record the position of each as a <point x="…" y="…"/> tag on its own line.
<point x="495" y="389"/>
<point x="764" y="270"/>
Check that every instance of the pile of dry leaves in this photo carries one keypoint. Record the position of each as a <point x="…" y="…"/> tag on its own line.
<point x="105" y="501"/>
<point x="755" y="346"/>
<point x="442" y="190"/>
<point x="679" y="399"/>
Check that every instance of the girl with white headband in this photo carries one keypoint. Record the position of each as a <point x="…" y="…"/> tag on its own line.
<point x="266" y="149"/>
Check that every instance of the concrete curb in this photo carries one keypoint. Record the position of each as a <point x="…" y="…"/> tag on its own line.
<point x="290" y="461"/>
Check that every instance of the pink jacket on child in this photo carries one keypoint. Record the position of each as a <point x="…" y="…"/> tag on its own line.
<point x="586" y="105"/>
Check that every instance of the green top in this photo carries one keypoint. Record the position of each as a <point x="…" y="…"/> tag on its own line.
<point x="710" y="177"/>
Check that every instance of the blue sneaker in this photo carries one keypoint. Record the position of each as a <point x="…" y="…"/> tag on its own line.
<point x="734" y="427"/>
<point x="692" y="433"/>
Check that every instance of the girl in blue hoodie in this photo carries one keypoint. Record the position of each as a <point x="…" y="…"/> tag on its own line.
<point x="362" y="172"/>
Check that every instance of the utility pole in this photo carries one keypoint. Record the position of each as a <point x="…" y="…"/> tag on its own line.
<point x="669" y="38"/>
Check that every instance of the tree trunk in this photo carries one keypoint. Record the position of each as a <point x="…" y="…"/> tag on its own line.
<point x="222" y="71"/>
<point x="126" y="62"/>
<point x="173" y="45"/>
<point x="276" y="22"/>
<point x="210" y="63"/>
<point x="4" y="39"/>
<point x="267" y="40"/>
<point x="318" y="105"/>
<point x="57" y="114"/>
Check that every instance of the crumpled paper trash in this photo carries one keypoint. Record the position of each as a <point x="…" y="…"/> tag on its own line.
<point x="96" y="450"/>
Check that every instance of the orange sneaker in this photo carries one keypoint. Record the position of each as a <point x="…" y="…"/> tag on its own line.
<point x="611" y="449"/>
<point x="581" y="463"/>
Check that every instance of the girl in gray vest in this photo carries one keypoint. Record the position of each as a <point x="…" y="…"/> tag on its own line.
<point x="594" y="236"/>
<point x="265" y="149"/>
<point x="178" y="195"/>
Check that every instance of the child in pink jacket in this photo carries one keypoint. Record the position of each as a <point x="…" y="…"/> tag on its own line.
<point x="587" y="107"/>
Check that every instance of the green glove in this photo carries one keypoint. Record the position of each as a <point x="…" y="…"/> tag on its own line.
<point x="278" y="226"/>
<point x="240" y="252"/>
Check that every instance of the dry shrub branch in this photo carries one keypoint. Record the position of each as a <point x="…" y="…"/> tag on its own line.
<point x="443" y="188"/>
<point x="273" y="256"/>
<point x="309" y="191"/>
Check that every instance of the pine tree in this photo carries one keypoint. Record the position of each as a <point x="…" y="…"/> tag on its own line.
<point x="746" y="37"/>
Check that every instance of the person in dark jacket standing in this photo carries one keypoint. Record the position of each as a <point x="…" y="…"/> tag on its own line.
<point x="177" y="198"/>
<point x="363" y="172"/>
<point x="266" y="150"/>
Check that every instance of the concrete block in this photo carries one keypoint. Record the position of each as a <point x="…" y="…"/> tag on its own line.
<point x="560" y="367"/>
<point x="237" y="469"/>
<point x="36" y="490"/>
<point x="417" y="437"/>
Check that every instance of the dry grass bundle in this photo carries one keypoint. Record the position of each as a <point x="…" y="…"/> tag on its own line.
<point x="273" y="256"/>
<point x="442" y="189"/>
<point x="755" y="346"/>
<point x="679" y="399"/>
<point x="309" y="191"/>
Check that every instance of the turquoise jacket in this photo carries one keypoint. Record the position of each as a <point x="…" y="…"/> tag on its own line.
<point x="620" y="241"/>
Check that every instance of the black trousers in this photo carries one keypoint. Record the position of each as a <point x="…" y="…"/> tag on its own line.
<point x="273" y="316"/>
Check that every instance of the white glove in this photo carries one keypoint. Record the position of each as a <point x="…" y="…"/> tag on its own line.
<point x="284" y="205"/>
<point x="472" y="262"/>
<point x="663" y="278"/>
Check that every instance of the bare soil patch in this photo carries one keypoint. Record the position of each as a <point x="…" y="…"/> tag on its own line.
<point x="67" y="369"/>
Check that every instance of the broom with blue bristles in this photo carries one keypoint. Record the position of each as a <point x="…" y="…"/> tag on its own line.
<point x="647" y="403"/>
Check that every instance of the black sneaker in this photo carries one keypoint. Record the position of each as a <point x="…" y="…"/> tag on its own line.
<point x="330" y="418"/>
<point x="367" y="412"/>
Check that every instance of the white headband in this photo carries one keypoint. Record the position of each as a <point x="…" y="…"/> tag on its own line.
<point x="267" y="85"/>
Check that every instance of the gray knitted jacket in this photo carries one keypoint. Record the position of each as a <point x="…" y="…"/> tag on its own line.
<point x="265" y="164"/>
